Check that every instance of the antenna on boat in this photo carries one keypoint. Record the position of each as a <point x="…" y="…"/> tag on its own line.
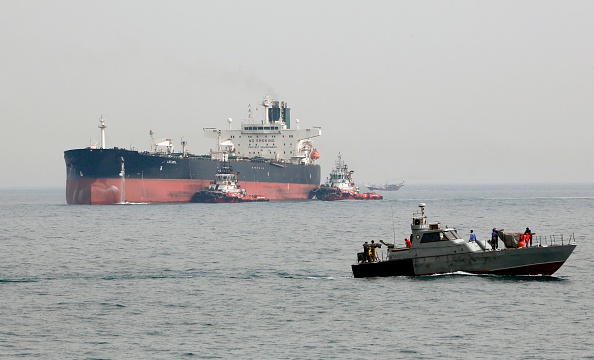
<point x="102" y="126"/>
<point x="250" y="118"/>
<point x="422" y="206"/>
<point x="393" y="226"/>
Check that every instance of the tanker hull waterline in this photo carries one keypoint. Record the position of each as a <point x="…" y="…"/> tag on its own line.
<point x="108" y="176"/>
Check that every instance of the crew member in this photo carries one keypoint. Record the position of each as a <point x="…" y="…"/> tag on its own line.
<point x="408" y="243"/>
<point x="472" y="236"/>
<point x="372" y="250"/>
<point x="528" y="236"/>
<point x="366" y="252"/>
<point x="494" y="239"/>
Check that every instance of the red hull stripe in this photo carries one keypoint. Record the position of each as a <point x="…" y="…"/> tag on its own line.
<point x="113" y="191"/>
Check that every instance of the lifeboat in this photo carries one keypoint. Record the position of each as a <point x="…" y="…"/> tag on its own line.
<point x="315" y="155"/>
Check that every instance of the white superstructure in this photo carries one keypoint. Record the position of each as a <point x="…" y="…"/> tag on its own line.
<point x="271" y="137"/>
<point x="341" y="177"/>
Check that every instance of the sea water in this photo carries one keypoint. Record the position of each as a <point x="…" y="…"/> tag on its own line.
<point x="273" y="280"/>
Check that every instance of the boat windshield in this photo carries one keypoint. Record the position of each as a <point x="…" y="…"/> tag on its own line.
<point x="452" y="234"/>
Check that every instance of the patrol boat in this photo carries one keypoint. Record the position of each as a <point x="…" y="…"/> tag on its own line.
<point x="436" y="250"/>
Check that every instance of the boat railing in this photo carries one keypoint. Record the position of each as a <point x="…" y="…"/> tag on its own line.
<point x="548" y="240"/>
<point x="380" y="254"/>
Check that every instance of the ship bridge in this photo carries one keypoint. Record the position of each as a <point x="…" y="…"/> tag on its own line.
<point x="270" y="138"/>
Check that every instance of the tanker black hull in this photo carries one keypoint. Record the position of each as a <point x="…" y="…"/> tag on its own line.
<point x="107" y="176"/>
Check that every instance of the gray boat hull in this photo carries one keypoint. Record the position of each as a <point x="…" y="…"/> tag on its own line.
<point x="521" y="261"/>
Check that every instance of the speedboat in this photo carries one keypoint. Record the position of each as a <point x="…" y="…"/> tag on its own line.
<point x="436" y="250"/>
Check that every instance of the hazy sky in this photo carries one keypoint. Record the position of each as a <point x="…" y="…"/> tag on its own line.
<point x="422" y="91"/>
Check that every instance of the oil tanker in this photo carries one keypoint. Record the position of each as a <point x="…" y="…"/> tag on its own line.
<point x="271" y="157"/>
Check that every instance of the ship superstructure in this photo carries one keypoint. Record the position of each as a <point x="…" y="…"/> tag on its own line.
<point x="270" y="138"/>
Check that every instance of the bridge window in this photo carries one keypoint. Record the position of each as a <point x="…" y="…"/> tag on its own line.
<point x="432" y="237"/>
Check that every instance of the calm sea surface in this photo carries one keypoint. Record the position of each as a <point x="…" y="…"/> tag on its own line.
<point x="273" y="280"/>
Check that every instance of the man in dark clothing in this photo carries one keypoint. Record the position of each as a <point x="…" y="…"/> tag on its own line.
<point x="494" y="239"/>
<point x="366" y="252"/>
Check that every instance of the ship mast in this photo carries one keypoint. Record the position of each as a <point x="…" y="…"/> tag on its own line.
<point x="183" y="144"/>
<point x="102" y="126"/>
<point x="266" y="104"/>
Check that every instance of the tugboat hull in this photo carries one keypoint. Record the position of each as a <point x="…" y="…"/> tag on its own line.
<point x="333" y="194"/>
<point x="213" y="197"/>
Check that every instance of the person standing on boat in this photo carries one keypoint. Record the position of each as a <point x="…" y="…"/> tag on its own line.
<point x="494" y="239"/>
<point x="366" y="252"/>
<point x="372" y="250"/>
<point x="472" y="236"/>
<point x="528" y="236"/>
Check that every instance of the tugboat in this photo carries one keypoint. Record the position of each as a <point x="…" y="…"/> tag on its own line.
<point x="340" y="186"/>
<point x="436" y="250"/>
<point x="225" y="189"/>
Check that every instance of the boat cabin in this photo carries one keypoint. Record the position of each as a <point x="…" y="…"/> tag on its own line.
<point x="430" y="239"/>
<point x="424" y="232"/>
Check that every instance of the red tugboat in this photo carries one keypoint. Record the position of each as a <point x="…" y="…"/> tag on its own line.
<point x="340" y="186"/>
<point x="225" y="189"/>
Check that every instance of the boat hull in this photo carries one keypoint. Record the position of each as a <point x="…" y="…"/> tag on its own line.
<point x="521" y="261"/>
<point x="108" y="176"/>
<point x="212" y="197"/>
<point x="331" y="194"/>
<point x="386" y="188"/>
